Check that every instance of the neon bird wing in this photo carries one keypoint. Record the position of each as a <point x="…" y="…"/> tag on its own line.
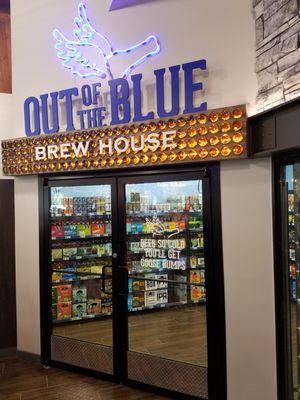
<point x="86" y="33"/>
<point x="151" y="40"/>
<point x="76" y="56"/>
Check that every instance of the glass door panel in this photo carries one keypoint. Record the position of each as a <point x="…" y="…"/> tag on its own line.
<point x="291" y="206"/>
<point x="166" y="281"/>
<point x="80" y="255"/>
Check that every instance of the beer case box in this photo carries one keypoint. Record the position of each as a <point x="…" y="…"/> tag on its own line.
<point x="57" y="231"/>
<point x="79" y="295"/>
<point x="84" y="268"/>
<point x="96" y="269"/>
<point x="84" y="230"/>
<point x="70" y="230"/>
<point x="84" y="251"/>
<point x="193" y="261"/>
<point x="68" y="276"/>
<point x="64" y="293"/>
<point x="138" y="286"/>
<point x="64" y="310"/>
<point x="56" y="254"/>
<point x="195" y="277"/>
<point x="97" y="229"/>
<point x="202" y="277"/>
<point x="97" y="250"/>
<point x="79" y="310"/>
<point x="150" y="298"/>
<point x="107" y="308"/>
<point x="197" y="293"/>
<point x="94" y="306"/>
<point x="69" y="252"/>
<point x="201" y="262"/>
<point x="138" y="300"/>
<point x="57" y="277"/>
<point x="162" y="296"/>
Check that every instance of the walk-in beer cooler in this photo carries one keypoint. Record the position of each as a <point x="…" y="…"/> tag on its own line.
<point x="127" y="271"/>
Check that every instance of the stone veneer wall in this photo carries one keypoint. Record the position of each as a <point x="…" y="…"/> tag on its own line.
<point x="277" y="25"/>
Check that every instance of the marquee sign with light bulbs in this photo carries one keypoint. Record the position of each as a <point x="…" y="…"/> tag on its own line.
<point x="207" y="136"/>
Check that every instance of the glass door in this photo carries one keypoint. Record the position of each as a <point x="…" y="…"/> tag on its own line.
<point x="136" y="280"/>
<point x="167" y="262"/>
<point x="288" y="280"/>
<point x="80" y="266"/>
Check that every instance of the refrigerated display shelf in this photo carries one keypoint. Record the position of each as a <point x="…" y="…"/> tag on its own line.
<point x="79" y="258"/>
<point x="159" y="213"/>
<point x="83" y="278"/>
<point x="78" y="216"/>
<point x="187" y="230"/>
<point x="84" y="318"/>
<point x="79" y="238"/>
<point x="153" y="271"/>
<point x="134" y="234"/>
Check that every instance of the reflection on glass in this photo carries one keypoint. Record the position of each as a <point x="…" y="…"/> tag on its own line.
<point x="165" y="260"/>
<point x="81" y="247"/>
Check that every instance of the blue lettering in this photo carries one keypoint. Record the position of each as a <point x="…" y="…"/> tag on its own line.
<point x="191" y="87"/>
<point x="67" y="94"/>
<point x="81" y="118"/>
<point x="137" y="100"/>
<point x="160" y="91"/>
<point x="86" y="94"/>
<point x="36" y="113"/>
<point x="119" y="100"/>
<point x="45" y="114"/>
<point x="96" y="93"/>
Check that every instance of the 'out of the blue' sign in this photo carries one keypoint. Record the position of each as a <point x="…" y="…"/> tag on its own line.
<point x="37" y="110"/>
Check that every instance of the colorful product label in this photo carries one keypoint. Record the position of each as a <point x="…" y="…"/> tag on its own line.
<point x="64" y="311"/>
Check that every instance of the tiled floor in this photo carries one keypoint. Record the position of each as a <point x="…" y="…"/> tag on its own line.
<point x="20" y="380"/>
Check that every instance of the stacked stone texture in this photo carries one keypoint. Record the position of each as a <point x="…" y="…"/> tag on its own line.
<point x="277" y="24"/>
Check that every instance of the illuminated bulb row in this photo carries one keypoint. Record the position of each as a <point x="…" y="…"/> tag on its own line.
<point x="214" y="128"/>
<point x="181" y="144"/>
<point x="211" y="119"/>
<point x="161" y="157"/>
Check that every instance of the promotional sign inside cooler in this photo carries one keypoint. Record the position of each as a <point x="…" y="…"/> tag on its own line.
<point x="150" y="298"/>
<point x="161" y="278"/>
<point x="162" y="296"/>
<point x="151" y="284"/>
